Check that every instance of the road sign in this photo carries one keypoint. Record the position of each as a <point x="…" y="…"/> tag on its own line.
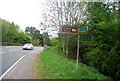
<point x="83" y="29"/>
<point x="85" y="37"/>
<point x="69" y="30"/>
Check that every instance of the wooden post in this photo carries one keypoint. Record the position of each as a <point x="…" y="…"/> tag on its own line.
<point x="77" y="60"/>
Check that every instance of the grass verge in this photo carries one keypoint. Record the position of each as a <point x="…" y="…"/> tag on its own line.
<point x="51" y="65"/>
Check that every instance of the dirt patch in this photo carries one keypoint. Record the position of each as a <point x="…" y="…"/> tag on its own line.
<point x="34" y="70"/>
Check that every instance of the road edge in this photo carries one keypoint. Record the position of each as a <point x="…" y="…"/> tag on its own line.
<point x="34" y="70"/>
<point x="1" y="77"/>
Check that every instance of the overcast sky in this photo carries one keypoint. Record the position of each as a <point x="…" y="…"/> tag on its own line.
<point x="22" y="12"/>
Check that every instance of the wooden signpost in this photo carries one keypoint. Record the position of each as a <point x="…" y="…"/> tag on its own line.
<point x="77" y="60"/>
<point x="76" y="30"/>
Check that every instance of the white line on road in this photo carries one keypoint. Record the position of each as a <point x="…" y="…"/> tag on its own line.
<point x="13" y="50"/>
<point x="11" y="67"/>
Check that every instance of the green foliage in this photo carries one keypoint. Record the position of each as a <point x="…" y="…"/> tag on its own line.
<point x="102" y="52"/>
<point x="22" y="38"/>
<point x="55" y="41"/>
<point x="11" y="34"/>
<point x="37" y="38"/>
<point x="46" y="39"/>
<point x="36" y="42"/>
<point x="32" y="31"/>
<point x="54" y="66"/>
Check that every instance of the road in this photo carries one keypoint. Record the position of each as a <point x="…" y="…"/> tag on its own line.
<point x="23" y="70"/>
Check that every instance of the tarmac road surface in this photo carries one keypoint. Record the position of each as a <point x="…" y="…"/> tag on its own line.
<point x="23" y="69"/>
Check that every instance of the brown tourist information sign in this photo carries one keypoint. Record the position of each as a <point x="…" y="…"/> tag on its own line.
<point x="73" y="30"/>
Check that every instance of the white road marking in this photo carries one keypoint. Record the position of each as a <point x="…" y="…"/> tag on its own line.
<point x="1" y="77"/>
<point x="13" y="50"/>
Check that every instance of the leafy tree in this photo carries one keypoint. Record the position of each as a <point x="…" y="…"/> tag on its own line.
<point x="103" y="52"/>
<point x="46" y="39"/>
<point x="37" y="38"/>
<point x="22" y="38"/>
<point x="11" y="34"/>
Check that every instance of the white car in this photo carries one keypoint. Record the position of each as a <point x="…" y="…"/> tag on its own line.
<point x="28" y="46"/>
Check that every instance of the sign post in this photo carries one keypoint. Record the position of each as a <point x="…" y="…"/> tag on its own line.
<point x="75" y="30"/>
<point x="77" y="60"/>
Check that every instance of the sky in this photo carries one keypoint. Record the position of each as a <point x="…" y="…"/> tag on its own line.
<point x="22" y="12"/>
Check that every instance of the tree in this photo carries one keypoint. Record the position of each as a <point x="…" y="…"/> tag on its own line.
<point x="62" y="14"/>
<point x="37" y="38"/>
<point x="46" y="39"/>
<point x="103" y="50"/>
<point x="11" y="34"/>
<point x="22" y="38"/>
